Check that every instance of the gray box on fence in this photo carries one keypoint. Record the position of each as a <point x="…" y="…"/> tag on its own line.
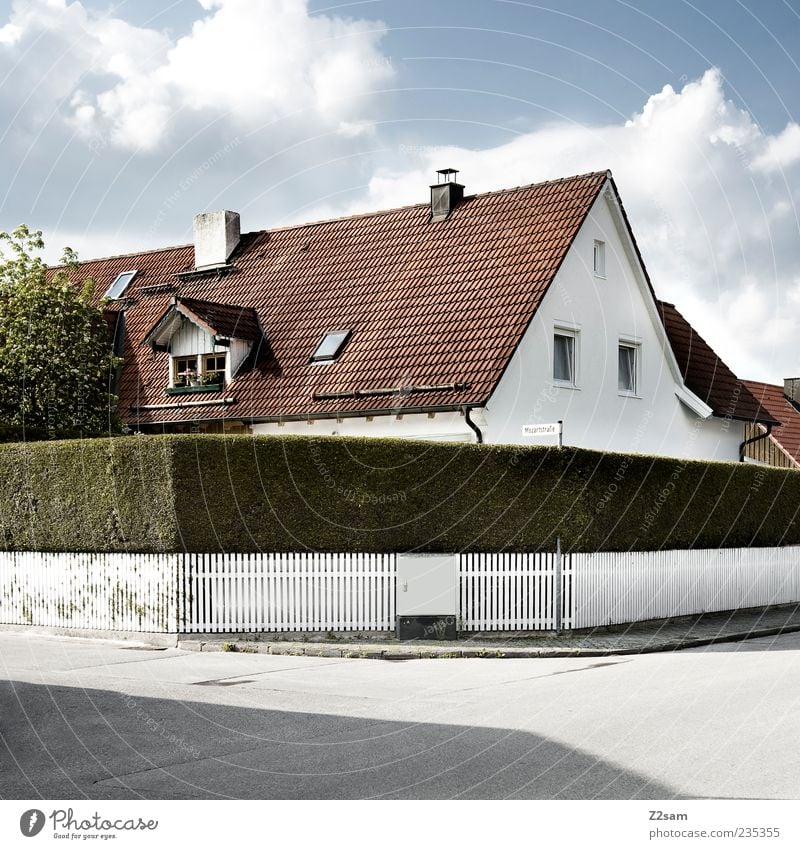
<point x="427" y="584"/>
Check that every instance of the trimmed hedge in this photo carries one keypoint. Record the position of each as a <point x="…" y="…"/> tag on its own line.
<point x="241" y="493"/>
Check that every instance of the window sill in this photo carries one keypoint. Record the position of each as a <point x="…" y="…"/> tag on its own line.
<point x="623" y="394"/>
<point x="561" y="384"/>
<point x="187" y="390"/>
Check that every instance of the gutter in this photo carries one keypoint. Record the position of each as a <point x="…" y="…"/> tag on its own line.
<point x="304" y="417"/>
<point x="472" y="425"/>
<point x="753" y="439"/>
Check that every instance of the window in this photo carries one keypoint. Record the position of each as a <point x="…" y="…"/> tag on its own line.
<point x="214" y="368"/>
<point x="627" y="373"/>
<point x="564" y="357"/>
<point x="331" y="346"/>
<point x="118" y="287"/>
<point x="186" y="371"/>
<point x="599" y="259"/>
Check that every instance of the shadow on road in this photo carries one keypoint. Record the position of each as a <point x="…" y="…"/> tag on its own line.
<point x="69" y="743"/>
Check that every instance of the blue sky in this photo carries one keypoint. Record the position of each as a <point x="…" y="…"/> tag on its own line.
<point x="120" y="121"/>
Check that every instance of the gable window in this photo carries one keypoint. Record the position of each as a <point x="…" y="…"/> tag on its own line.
<point x="186" y="373"/>
<point x="331" y="346"/>
<point x="564" y="371"/>
<point x="214" y="368"/>
<point x="599" y="258"/>
<point x="628" y="359"/>
<point x="120" y="284"/>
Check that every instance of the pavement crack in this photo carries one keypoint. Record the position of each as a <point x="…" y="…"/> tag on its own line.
<point x="535" y="677"/>
<point x="233" y="679"/>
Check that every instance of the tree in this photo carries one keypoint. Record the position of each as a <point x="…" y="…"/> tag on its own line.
<point x="56" y="359"/>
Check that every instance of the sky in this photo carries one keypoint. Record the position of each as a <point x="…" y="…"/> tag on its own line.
<point x="120" y="121"/>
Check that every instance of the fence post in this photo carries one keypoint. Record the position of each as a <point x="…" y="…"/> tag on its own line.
<point x="557" y="586"/>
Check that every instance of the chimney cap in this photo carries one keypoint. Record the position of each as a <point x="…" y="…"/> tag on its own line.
<point x="446" y="175"/>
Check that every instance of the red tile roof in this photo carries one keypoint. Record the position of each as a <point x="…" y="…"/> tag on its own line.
<point x="787" y="434"/>
<point x="706" y="375"/>
<point x="440" y="305"/>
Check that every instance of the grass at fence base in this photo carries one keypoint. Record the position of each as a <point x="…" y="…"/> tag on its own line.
<point x="240" y="493"/>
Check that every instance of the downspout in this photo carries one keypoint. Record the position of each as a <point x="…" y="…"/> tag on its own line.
<point x="472" y="425"/>
<point x="752" y="439"/>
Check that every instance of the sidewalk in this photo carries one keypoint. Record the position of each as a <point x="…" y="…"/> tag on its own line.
<point x="639" y="638"/>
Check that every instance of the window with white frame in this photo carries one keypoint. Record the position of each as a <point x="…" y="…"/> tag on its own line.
<point x="599" y="258"/>
<point x="628" y="369"/>
<point x="564" y="359"/>
<point x="121" y="282"/>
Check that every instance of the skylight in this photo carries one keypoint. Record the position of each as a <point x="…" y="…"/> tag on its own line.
<point x="118" y="287"/>
<point x="331" y="346"/>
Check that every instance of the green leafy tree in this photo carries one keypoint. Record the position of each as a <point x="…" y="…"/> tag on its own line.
<point x="56" y="360"/>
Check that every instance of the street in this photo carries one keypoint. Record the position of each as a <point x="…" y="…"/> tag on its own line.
<point x="102" y="720"/>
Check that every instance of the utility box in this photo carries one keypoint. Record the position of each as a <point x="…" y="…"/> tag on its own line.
<point x="427" y="596"/>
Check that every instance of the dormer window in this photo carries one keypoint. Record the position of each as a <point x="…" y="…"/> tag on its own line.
<point x="208" y="344"/>
<point x="331" y="346"/>
<point x="117" y="288"/>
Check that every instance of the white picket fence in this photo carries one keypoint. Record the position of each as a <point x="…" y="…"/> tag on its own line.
<point x="515" y="592"/>
<point x="118" y="592"/>
<point x="289" y="592"/>
<point x="295" y="592"/>
<point x="615" y="588"/>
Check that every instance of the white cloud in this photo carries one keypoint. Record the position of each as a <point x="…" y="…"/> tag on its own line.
<point x="718" y="232"/>
<point x="249" y="61"/>
<point x="781" y="150"/>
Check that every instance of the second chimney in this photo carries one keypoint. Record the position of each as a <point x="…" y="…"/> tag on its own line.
<point x="216" y="235"/>
<point x="791" y="389"/>
<point x="446" y="194"/>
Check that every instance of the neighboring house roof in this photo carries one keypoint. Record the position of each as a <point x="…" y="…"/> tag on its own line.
<point x="436" y="309"/>
<point x="787" y="433"/>
<point x="706" y="375"/>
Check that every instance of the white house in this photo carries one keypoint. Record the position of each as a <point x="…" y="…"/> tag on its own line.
<point x="468" y="318"/>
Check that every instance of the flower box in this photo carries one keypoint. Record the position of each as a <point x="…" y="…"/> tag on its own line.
<point x="186" y="390"/>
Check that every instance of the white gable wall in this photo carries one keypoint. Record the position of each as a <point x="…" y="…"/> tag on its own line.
<point x="595" y="414"/>
<point x="190" y="340"/>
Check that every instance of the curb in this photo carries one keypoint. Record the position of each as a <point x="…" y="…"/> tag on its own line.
<point x="369" y="651"/>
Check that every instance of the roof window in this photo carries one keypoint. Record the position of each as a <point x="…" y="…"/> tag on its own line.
<point x="118" y="287"/>
<point x="331" y="346"/>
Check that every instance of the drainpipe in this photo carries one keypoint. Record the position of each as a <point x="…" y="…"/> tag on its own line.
<point x="472" y="425"/>
<point x="754" y="439"/>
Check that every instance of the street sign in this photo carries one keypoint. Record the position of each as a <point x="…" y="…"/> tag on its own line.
<point x="540" y="430"/>
<point x="551" y="429"/>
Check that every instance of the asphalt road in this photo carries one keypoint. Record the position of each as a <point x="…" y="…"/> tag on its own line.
<point x="88" y="719"/>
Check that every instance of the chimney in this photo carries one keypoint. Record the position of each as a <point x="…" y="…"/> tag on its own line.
<point x="446" y="194"/>
<point x="791" y="389"/>
<point x="216" y="234"/>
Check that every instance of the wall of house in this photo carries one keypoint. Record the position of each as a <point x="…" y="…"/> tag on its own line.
<point x="603" y="311"/>
<point x="441" y="427"/>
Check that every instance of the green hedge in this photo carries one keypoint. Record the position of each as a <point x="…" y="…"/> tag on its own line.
<point x="239" y="493"/>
